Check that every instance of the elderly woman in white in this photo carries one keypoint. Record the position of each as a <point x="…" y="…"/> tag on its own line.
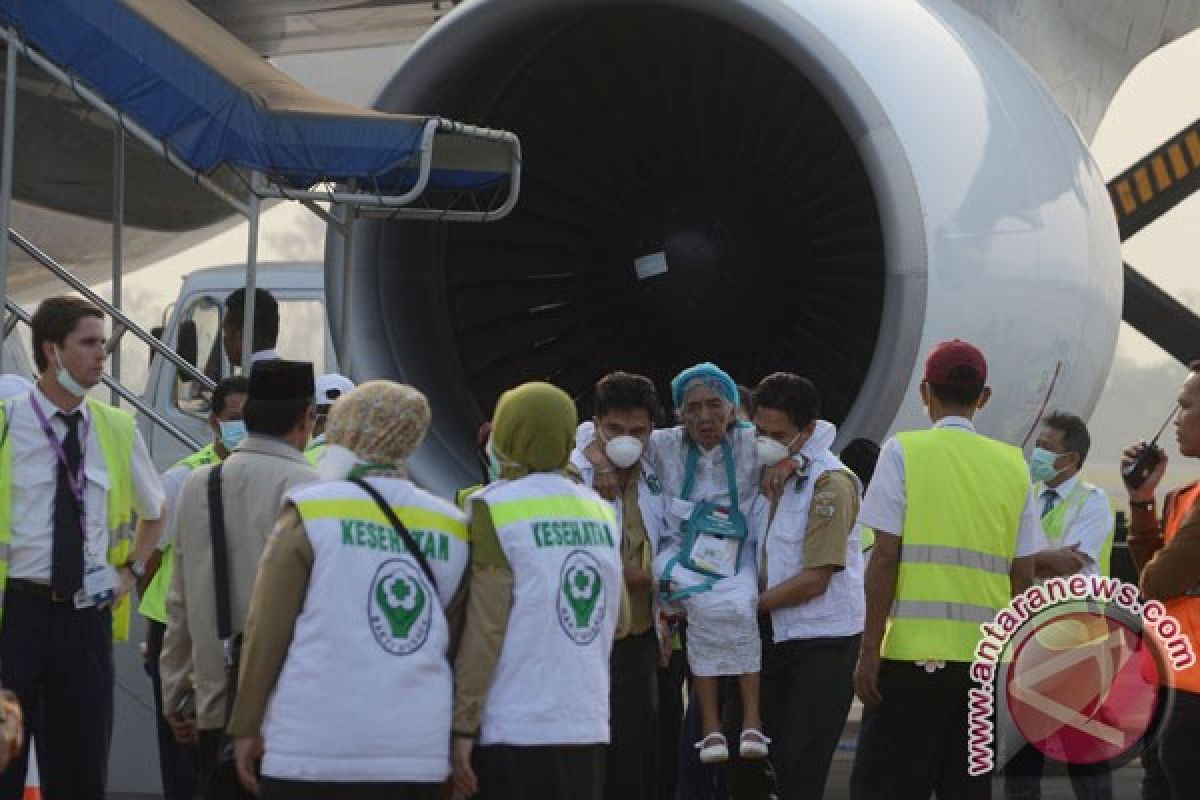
<point x="709" y="467"/>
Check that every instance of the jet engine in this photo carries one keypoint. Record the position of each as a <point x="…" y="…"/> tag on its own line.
<point x="821" y="187"/>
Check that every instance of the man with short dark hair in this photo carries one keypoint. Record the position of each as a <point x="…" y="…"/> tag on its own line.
<point x="1166" y="553"/>
<point x="1078" y="522"/>
<point x="625" y="408"/>
<point x="956" y="534"/>
<point x="266" y="326"/>
<point x="811" y="582"/>
<point x="73" y="471"/>
<point x="1076" y="515"/>
<point x="177" y="760"/>
<point x="278" y="412"/>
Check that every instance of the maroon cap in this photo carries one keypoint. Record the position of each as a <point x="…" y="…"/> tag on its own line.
<point x="956" y="362"/>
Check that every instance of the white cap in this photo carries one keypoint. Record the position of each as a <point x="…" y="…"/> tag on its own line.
<point x="13" y="385"/>
<point x="332" y="386"/>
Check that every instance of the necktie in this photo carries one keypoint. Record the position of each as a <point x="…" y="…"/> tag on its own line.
<point x="1049" y="501"/>
<point x="66" y="574"/>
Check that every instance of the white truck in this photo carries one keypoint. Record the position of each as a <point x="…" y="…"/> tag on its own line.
<point x="192" y="328"/>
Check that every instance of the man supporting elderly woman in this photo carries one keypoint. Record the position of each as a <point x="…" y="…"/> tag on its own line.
<point x="545" y="564"/>
<point x="786" y="560"/>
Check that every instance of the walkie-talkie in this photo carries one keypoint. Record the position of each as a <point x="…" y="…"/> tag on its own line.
<point x="1147" y="458"/>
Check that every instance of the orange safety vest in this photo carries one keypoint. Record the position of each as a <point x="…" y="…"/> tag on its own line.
<point x="1184" y="609"/>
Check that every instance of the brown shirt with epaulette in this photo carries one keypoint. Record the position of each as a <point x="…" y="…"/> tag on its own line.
<point x="831" y="517"/>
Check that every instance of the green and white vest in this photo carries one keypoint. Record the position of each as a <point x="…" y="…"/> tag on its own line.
<point x="562" y="541"/>
<point x="366" y="691"/>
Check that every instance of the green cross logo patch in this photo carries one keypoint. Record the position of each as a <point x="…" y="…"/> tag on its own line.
<point x="582" y="601"/>
<point x="400" y="607"/>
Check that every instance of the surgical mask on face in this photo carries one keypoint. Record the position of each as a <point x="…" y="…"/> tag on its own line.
<point x="232" y="432"/>
<point x="623" y="451"/>
<point x="771" y="452"/>
<point x="64" y="378"/>
<point x="1041" y="465"/>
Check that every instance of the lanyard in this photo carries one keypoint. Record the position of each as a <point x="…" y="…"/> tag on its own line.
<point x="76" y="481"/>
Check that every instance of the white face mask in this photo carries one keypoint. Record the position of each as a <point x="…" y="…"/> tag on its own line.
<point x="623" y="451"/>
<point x="64" y="378"/>
<point x="771" y="452"/>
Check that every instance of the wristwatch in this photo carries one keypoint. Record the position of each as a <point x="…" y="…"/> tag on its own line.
<point x="136" y="567"/>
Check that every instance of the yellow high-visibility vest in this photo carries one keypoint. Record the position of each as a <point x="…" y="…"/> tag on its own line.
<point x="1054" y="522"/>
<point x="965" y="496"/>
<point x="115" y="431"/>
<point x="154" y="600"/>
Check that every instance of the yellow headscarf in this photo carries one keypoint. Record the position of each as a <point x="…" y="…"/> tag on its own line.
<point x="534" y="426"/>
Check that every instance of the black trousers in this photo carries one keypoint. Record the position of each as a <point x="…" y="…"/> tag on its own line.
<point x="670" y="720"/>
<point x="549" y="772"/>
<point x="58" y="661"/>
<point x="914" y="743"/>
<point x="209" y="744"/>
<point x="807" y="689"/>
<point x="275" y="789"/>
<point x="632" y="761"/>
<point x="1170" y="761"/>
<point x="176" y="762"/>
<point x="1023" y="777"/>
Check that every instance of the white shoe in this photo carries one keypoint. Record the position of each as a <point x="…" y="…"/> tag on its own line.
<point x="753" y="744"/>
<point x="713" y="749"/>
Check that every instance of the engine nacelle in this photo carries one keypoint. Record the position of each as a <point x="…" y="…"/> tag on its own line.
<point x="826" y="188"/>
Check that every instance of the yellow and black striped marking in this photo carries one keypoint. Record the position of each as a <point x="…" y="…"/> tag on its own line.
<point x="1157" y="183"/>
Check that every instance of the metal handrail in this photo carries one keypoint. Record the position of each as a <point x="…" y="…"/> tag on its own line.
<point x="148" y="411"/>
<point x="151" y="341"/>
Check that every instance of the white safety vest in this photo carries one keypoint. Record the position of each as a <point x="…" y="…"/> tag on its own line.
<point x="563" y="544"/>
<point x="366" y="691"/>
<point x="840" y="610"/>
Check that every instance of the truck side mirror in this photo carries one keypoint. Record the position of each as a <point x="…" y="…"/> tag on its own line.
<point x="187" y="344"/>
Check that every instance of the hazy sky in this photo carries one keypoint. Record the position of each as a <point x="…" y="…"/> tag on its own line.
<point x="1156" y="101"/>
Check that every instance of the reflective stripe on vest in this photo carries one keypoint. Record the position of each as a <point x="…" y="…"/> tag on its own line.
<point x="1186" y="610"/>
<point x="955" y="557"/>
<point x="955" y="612"/>
<point x="414" y="518"/>
<point x="1054" y="523"/>
<point x="512" y="512"/>
<point x="154" y="600"/>
<point x="965" y="494"/>
<point x="115" y="432"/>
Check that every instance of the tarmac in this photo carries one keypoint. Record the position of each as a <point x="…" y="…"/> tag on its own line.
<point x="1127" y="781"/>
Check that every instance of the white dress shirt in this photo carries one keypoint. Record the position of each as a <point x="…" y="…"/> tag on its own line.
<point x="172" y="484"/>
<point x="886" y="502"/>
<point x="35" y="471"/>
<point x="1088" y="527"/>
